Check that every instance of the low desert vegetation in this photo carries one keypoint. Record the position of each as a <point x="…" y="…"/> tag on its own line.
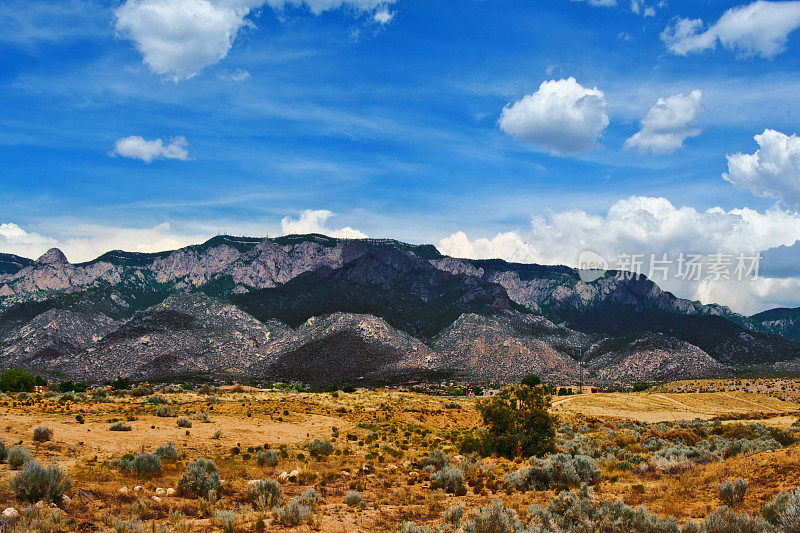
<point x="387" y="461"/>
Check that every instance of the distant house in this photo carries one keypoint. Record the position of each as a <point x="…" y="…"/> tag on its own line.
<point x="576" y="389"/>
<point x="241" y="388"/>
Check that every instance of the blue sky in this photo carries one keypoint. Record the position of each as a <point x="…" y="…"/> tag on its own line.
<point x="364" y="117"/>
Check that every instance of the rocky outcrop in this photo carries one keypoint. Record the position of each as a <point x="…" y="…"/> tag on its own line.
<point x="52" y="336"/>
<point x="510" y="345"/>
<point x="651" y="357"/>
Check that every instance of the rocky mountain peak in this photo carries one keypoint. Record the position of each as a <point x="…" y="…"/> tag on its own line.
<point x="53" y="257"/>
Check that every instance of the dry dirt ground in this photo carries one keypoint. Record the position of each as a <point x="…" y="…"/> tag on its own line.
<point x="669" y="406"/>
<point x="782" y="388"/>
<point x="377" y="435"/>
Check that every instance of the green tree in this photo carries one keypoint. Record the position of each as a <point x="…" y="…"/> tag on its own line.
<point x="17" y="380"/>
<point x="531" y="380"/>
<point x="518" y="422"/>
<point x="121" y="384"/>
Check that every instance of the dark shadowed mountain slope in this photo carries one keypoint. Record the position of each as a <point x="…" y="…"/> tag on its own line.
<point x="11" y="264"/>
<point x="386" y="282"/>
<point x="508" y="344"/>
<point x="782" y="321"/>
<point x="650" y="357"/>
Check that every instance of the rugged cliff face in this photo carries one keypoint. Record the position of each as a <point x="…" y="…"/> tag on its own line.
<point x="322" y="310"/>
<point x="650" y="357"/>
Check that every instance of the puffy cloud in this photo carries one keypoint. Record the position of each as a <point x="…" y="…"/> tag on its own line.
<point x="136" y="147"/>
<point x="87" y="241"/>
<point x="15" y="240"/>
<point x="313" y="221"/>
<point x="644" y="225"/>
<point x="773" y="171"/>
<point x="668" y="123"/>
<point x="758" y="29"/>
<point x="179" y="38"/>
<point x="563" y="117"/>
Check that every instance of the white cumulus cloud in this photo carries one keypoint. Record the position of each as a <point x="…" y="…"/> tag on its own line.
<point x="758" y="29"/>
<point x="562" y="117"/>
<point x="645" y="225"/>
<point x="15" y="240"/>
<point x="88" y="241"/>
<point x="668" y="123"/>
<point x="773" y="171"/>
<point x="313" y="221"/>
<point x="136" y="147"/>
<point x="179" y="38"/>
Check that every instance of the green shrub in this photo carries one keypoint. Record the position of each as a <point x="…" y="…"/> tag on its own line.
<point x="3" y="451"/>
<point x="435" y="459"/>
<point x="319" y="448"/>
<point x="311" y="498"/>
<point x="353" y="498"/>
<point x="226" y="520"/>
<point x="18" y="456"/>
<point x="35" y="482"/>
<point x="449" y="480"/>
<point x="555" y="470"/>
<point x="454" y="514"/>
<point x="184" y="422"/>
<point x="268" y="458"/>
<point x="120" y="426"/>
<point x="772" y="511"/>
<point x="146" y="464"/>
<point x="167" y="453"/>
<point x="157" y="400"/>
<point x="42" y="434"/>
<point x="199" y="478"/>
<point x="165" y="411"/>
<point x="493" y="518"/>
<point x="140" y="391"/>
<point x="293" y="513"/>
<point x="265" y="493"/>
<point x="790" y="517"/>
<point x="577" y="511"/>
<point x="732" y="494"/>
<point x="724" y="520"/>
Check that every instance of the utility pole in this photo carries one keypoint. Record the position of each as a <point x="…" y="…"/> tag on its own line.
<point x="580" y="365"/>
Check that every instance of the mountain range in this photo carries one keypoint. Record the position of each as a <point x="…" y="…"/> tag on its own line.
<point x="322" y="310"/>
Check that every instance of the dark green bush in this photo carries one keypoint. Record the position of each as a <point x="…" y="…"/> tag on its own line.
<point x="42" y="434"/>
<point x="17" y="380"/>
<point x="518" y="422"/>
